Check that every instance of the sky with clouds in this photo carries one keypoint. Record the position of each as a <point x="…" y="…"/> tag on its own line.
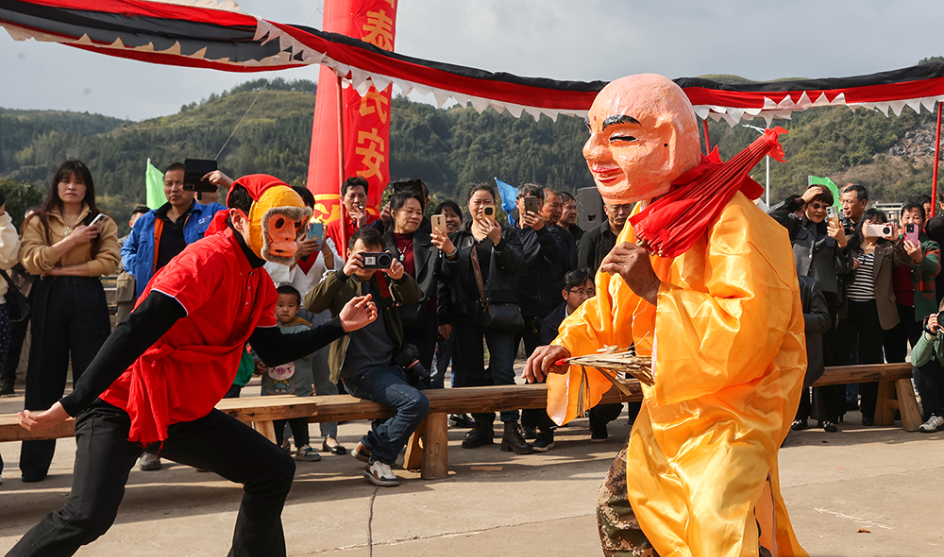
<point x="561" y="39"/>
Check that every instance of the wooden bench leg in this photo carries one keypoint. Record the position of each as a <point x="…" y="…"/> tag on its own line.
<point x="413" y="460"/>
<point x="436" y="453"/>
<point x="884" y="405"/>
<point x="266" y="428"/>
<point x="908" y="405"/>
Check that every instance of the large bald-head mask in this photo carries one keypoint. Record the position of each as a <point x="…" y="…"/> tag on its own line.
<point x="643" y="135"/>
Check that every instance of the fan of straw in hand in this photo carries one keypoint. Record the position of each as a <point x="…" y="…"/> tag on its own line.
<point x="610" y="363"/>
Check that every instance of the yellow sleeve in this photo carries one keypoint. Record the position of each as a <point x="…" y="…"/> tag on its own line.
<point x="724" y="322"/>
<point x="36" y="257"/>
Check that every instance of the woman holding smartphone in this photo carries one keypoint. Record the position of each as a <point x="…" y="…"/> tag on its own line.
<point x="420" y="260"/>
<point x="69" y="244"/>
<point x="870" y="308"/>
<point x="496" y="251"/>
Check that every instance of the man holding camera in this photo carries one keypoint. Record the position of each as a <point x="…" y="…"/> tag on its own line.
<point x="373" y="362"/>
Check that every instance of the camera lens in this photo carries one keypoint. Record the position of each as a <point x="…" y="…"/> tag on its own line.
<point x="384" y="260"/>
<point x="887" y="230"/>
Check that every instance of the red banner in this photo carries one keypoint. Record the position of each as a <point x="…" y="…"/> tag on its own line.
<point x="366" y="120"/>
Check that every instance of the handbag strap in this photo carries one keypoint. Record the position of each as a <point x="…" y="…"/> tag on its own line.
<point x="477" y="270"/>
<point x="11" y="286"/>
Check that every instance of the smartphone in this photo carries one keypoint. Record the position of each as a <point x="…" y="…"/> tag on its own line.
<point x="439" y="223"/>
<point x="832" y="215"/>
<point x="531" y="204"/>
<point x="877" y="230"/>
<point x="194" y="171"/>
<point x="315" y="230"/>
<point x="912" y="232"/>
<point x="489" y="212"/>
<point x="99" y="218"/>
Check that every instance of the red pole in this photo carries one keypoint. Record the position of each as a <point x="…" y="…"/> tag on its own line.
<point x="937" y="156"/>
<point x="707" y="137"/>
<point x="342" y="249"/>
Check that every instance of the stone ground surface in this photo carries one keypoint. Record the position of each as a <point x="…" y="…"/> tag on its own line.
<point x="882" y="480"/>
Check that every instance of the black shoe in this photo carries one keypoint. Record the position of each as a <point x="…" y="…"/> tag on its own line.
<point x="461" y="421"/>
<point x="513" y="441"/>
<point x="479" y="436"/>
<point x="529" y="432"/>
<point x="799" y="425"/>
<point x="868" y="422"/>
<point x="335" y="450"/>
<point x="598" y="434"/>
<point x="7" y="389"/>
<point x="830" y="427"/>
<point x="544" y="442"/>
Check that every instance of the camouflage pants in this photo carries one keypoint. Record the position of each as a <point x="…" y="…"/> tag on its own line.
<point x="620" y="534"/>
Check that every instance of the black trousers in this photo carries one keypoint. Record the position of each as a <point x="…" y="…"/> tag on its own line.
<point x="424" y="336"/>
<point x="299" y="427"/>
<point x="897" y="338"/>
<point x="531" y="334"/>
<point x="70" y="317"/>
<point x="862" y="321"/>
<point x="215" y="442"/>
<point x="12" y="359"/>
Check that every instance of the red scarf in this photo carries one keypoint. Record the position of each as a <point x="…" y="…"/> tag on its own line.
<point x="673" y="223"/>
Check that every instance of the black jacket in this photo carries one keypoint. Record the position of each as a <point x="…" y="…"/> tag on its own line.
<point x="458" y="291"/>
<point x="551" y="324"/>
<point x="815" y="254"/>
<point x="817" y="320"/>
<point x="539" y="282"/>
<point x="426" y="265"/>
<point x="595" y="245"/>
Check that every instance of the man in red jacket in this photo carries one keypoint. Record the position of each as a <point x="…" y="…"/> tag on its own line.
<point x="157" y="378"/>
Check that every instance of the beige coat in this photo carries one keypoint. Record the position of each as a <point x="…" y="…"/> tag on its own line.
<point x="887" y="255"/>
<point x="38" y="258"/>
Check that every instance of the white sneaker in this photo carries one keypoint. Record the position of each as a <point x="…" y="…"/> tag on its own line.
<point x="933" y="424"/>
<point x="380" y="474"/>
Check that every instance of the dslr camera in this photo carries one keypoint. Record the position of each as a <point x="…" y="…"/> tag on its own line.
<point x="416" y="374"/>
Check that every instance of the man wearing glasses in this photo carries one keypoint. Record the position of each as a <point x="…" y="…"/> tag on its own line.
<point x="597" y="243"/>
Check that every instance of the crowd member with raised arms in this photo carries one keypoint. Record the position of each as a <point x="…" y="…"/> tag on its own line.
<point x="928" y="359"/>
<point x="820" y="252"/>
<point x="482" y="250"/>
<point x="420" y="259"/>
<point x="870" y="307"/>
<point x="65" y="246"/>
<point x="156" y="380"/>
<point x="373" y="362"/>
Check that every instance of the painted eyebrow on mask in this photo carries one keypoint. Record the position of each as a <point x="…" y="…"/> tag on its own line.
<point x="619" y="119"/>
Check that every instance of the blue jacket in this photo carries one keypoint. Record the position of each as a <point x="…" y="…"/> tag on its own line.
<point x="137" y="253"/>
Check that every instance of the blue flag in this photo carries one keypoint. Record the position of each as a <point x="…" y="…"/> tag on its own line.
<point x="508" y="194"/>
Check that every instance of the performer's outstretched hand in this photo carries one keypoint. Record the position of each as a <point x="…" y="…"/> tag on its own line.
<point x="632" y="263"/>
<point x="541" y="363"/>
<point x="36" y="421"/>
<point x="358" y="312"/>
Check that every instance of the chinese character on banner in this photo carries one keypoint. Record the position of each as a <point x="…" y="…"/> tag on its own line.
<point x="366" y="120"/>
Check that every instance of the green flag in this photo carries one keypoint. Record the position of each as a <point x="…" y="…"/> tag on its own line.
<point x="817" y="181"/>
<point x="155" y="186"/>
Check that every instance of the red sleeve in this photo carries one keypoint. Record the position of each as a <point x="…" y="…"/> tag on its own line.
<point x="268" y="297"/>
<point x="192" y="277"/>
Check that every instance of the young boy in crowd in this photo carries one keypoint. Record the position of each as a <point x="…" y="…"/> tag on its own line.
<point x="292" y="378"/>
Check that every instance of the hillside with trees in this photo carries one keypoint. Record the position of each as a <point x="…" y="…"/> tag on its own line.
<point x="448" y="148"/>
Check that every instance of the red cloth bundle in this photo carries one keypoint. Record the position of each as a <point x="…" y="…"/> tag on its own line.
<point x="673" y="223"/>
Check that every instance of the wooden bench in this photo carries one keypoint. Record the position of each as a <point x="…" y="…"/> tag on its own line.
<point x="428" y="448"/>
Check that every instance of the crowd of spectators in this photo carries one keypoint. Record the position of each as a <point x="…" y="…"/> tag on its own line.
<point x="452" y="291"/>
<point x="869" y="290"/>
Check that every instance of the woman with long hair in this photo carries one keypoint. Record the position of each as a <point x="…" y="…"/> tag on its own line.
<point x="495" y="250"/>
<point x="69" y="249"/>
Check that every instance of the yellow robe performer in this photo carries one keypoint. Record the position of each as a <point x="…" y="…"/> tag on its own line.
<point x="726" y="338"/>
